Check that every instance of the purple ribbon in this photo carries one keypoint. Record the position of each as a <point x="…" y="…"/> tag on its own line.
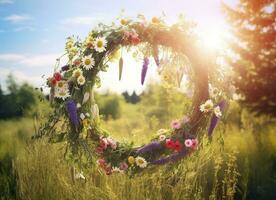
<point x="214" y="119"/>
<point x="172" y="158"/>
<point x="144" y="69"/>
<point x="149" y="147"/>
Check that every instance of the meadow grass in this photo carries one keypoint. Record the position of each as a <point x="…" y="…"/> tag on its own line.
<point x="239" y="163"/>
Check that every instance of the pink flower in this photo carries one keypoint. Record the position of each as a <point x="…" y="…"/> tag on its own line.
<point x="101" y="163"/>
<point x="194" y="143"/>
<point x="103" y="143"/>
<point x="188" y="143"/>
<point x="123" y="166"/>
<point x="99" y="150"/>
<point x="175" y="124"/>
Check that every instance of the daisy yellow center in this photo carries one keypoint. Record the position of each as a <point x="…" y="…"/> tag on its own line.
<point x="155" y="20"/>
<point x="81" y="80"/>
<point x="140" y="161"/>
<point x="87" y="61"/>
<point x="77" y="73"/>
<point x="123" y="21"/>
<point x="60" y="84"/>
<point x="100" y="44"/>
<point x="208" y="106"/>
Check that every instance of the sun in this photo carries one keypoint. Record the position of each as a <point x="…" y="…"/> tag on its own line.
<point x="213" y="38"/>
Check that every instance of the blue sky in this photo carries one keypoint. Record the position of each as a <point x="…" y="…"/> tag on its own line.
<point x="33" y="33"/>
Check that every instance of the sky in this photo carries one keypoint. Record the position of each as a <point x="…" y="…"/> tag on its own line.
<point x="33" y="33"/>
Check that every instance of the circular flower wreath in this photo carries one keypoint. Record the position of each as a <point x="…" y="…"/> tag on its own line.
<point x="76" y="115"/>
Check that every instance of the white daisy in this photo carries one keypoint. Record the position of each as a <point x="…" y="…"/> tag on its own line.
<point x="62" y="90"/>
<point x="217" y="111"/>
<point x="141" y="162"/>
<point x="100" y="44"/>
<point x="162" y="138"/>
<point x="88" y="62"/>
<point x="161" y="131"/>
<point x="77" y="72"/>
<point x="81" y="80"/>
<point x="207" y="106"/>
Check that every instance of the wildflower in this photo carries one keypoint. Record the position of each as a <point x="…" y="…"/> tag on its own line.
<point x="194" y="143"/>
<point x="161" y="131"/>
<point x="57" y="76"/>
<point x="131" y="160"/>
<point x="61" y="90"/>
<point x="123" y="22"/>
<point x="72" y="112"/>
<point x="77" y="62"/>
<point x="162" y="138"/>
<point x="103" y="143"/>
<point x="81" y="80"/>
<point x="116" y="170"/>
<point x="78" y="105"/>
<point x="123" y="166"/>
<point x="177" y="146"/>
<point x="77" y="73"/>
<point x="217" y="111"/>
<point x="207" y="106"/>
<point x="188" y="143"/>
<point x="100" y="44"/>
<point x="155" y="20"/>
<point x="141" y="162"/>
<point x="88" y="62"/>
<point x="169" y="143"/>
<point x="175" y="124"/>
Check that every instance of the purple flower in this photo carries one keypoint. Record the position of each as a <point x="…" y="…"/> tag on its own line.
<point x="214" y="119"/>
<point x="144" y="69"/>
<point x="149" y="147"/>
<point x="172" y="158"/>
<point x="72" y="112"/>
<point x="65" y="68"/>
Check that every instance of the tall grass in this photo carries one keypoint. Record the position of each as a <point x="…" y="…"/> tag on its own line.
<point x="239" y="163"/>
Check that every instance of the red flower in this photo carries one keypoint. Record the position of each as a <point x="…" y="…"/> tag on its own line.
<point x="57" y="76"/>
<point x="177" y="146"/>
<point x="169" y="144"/>
<point x="77" y="62"/>
<point x="53" y="81"/>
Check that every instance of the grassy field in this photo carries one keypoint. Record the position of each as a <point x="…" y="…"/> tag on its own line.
<point x="239" y="163"/>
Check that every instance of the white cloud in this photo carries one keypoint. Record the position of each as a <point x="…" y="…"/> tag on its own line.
<point x="20" y="76"/>
<point x="80" y="20"/>
<point x="11" y="57"/>
<point x="31" y="60"/>
<point x="6" y="2"/>
<point x="24" y="28"/>
<point x="17" y="18"/>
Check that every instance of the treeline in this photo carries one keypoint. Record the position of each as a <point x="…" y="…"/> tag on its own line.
<point x="20" y="100"/>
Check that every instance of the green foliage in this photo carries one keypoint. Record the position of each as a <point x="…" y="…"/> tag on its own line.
<point x="253" y="24"/>
<point x="109" y="105"/>
<point x="19" y="100"/>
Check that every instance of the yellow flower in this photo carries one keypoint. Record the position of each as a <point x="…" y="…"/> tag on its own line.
<point x="131" y="160"/>
<point x="155" y="20"/>
<point x="123" y="22"/>
<point x="77" y="73"/>
<point x="85" y="123"/>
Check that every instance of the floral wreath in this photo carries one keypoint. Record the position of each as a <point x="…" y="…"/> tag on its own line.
<point x="76" y="115"/>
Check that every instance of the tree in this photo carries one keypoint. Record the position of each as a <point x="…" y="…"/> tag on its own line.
<point x="253" y="25"/>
